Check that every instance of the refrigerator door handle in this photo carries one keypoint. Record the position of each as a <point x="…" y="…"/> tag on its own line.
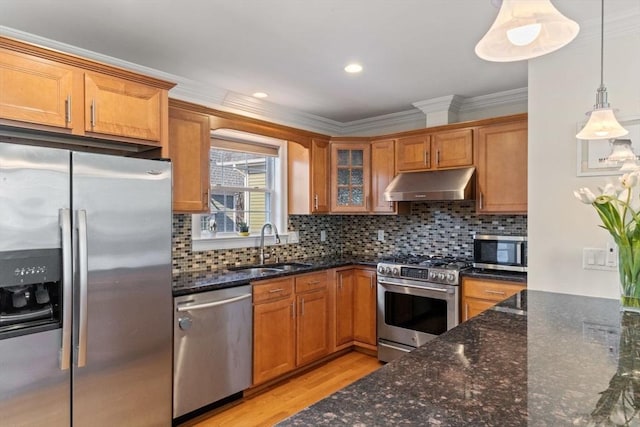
<point x="64" y="217"/>
<point x="82" y="281"/>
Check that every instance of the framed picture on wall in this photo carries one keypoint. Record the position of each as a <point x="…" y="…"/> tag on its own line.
<point x="592" y="154"/>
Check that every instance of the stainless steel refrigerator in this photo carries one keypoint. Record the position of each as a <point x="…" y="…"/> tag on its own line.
<point x="85" y="289"/>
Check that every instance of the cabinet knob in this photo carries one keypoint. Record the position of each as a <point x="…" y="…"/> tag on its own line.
<point x="185" y="323"/>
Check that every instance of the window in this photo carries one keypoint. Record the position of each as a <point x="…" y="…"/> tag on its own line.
<point x="246" y="179"/>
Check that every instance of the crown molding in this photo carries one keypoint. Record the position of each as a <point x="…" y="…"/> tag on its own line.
<point x="507" y="97"/>
<point x="615" y="25"/>
<point x="387" y="123"/>
<point x="443" y="103"/>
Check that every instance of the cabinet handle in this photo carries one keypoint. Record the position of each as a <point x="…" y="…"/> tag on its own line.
<point x="466" y="312"/>
<point x="366" y="203"/>
<point x="293" y="310"/>
<point x="313" y="282"/>
<point x="481" y="204"/>
<point x="67" y="111"/>
<point x="437" y="157"/>
<point x="93" y="113"/>
<point x="302" y="307"/>
<point x="273" y="291"/>
<point x="426" y="158"/>
<point x="315" y="202"/>
<point x="486" y="291"/>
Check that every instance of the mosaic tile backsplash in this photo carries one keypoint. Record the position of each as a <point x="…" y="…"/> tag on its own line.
<point x="437" y="228"/>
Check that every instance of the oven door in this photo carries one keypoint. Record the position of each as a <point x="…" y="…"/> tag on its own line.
<point x="410" y="314"/>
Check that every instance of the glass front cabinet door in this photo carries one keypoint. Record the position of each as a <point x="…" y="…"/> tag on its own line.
<point x="350" y="175"/>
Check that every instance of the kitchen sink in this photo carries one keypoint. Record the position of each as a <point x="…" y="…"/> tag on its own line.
<point x="270" y="268"/>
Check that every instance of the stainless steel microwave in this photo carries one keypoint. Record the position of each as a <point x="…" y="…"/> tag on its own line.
<point x="500" y="252"/>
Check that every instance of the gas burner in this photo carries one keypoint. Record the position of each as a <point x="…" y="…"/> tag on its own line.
<point x="428" y="268"/>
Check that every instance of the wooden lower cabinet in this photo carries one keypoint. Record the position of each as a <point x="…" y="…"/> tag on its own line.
<point x="290" y="324"/>
<point x="344" y="307"/>
<point x="364" y="306"/>
<point x="479" y="295"/>
<point x="312" y="338"/>
<point x="274" y="326"/>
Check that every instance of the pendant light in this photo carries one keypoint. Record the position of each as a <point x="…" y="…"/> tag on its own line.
<point x="622" y="154"/>
<point x="602" y="122"/>
<point x="526" y="29"/>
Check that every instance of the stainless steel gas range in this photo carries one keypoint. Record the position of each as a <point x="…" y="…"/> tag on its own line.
<point x="418" y="299"/>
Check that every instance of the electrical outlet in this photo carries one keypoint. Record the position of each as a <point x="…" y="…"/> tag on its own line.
<point x="323" y="236"/>
<point x="293" y="237"/>
<point x="381" y="235"/>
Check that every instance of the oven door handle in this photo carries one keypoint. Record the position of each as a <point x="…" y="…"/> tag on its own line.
<point x="426" y="288"/>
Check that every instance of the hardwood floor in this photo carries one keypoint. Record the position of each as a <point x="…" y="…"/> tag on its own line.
<point x="293" y="395"/>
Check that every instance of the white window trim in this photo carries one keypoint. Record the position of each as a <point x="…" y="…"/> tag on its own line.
<point x="204" y="241"/>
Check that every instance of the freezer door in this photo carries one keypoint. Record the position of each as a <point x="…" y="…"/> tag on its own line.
<point x="34" y="186"/>
<point x="123" y="344"/>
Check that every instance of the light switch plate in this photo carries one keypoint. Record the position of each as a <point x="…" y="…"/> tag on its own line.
<point x="323" y="236"/>
<point x="293" y="237"/>
<point x="597" y="259"/>
<point x="381" y="235"/>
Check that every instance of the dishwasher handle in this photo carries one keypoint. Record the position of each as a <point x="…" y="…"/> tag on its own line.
<point x="210" y="304"/>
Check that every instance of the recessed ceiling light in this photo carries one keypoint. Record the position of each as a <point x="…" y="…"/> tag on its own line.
<point x="353" y="68"/>
<point x="260" y="95"/>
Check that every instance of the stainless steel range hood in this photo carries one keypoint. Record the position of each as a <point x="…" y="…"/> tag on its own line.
<point x="450" y="184"/>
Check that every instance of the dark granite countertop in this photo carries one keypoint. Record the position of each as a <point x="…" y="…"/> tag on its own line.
<point x="481" y="273"/>
<point x="202" y="281"/>
<point x="565" y="361"/>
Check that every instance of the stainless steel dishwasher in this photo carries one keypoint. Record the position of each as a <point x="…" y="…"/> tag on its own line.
<point x="212" y="347"/>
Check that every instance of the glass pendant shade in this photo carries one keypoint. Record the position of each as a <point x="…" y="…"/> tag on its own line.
<point x="621" y="151"/>
<point x="526" y="29"/>
<point x="602" y="124"/>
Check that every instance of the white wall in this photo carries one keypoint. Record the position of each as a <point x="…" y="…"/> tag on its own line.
<point x="562" y="88"/>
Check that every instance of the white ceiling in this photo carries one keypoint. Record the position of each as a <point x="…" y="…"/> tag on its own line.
<point x="295" y="50"/>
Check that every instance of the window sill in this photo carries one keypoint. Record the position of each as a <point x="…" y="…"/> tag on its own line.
<point x="230" y="241"/>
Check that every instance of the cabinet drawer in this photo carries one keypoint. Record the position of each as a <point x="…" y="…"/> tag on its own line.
<point x="490" y="290"/>
<point x="272" y="290"/>
<point x="311" y="282"/>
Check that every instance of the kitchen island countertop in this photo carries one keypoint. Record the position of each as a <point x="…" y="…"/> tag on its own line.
<point x="560" y="360"/>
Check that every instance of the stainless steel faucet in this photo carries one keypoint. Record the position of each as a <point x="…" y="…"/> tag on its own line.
<point x="264" y="256"/>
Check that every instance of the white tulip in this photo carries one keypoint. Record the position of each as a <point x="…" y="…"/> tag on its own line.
<point x="610" y="190"/>
<point x="629" y="180"/>
<point x="585" y="195"/>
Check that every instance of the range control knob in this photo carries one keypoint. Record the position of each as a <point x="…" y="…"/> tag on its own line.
<point x="185" y="323"/>
<point x="441" y="276"/>
<point x="387" y="270"/>
<point x="396" y="272"/>
<point x="433" y="275"/>
<point x="381" y="269"/>
<point x="450" y="277"/>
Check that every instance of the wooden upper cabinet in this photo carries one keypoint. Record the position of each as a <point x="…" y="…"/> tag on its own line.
<point x="350" y="175"/>
<point x="49" y="90"/>
<point x="452" y="149"/>
<point x="382" y="172"/>
<point x="413" y="153"/>
<point x="308" y="177"/>
<point x="438" y="150"/>
<point x="36" y="90"/>
<point x="119" y="107"/>
<point x="189" y="153"/>
<point x="501" y="160"/>
<point x="320" y="175"/>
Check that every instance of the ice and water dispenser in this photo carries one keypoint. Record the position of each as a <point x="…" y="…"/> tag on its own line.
<point x="30" y="291"/>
